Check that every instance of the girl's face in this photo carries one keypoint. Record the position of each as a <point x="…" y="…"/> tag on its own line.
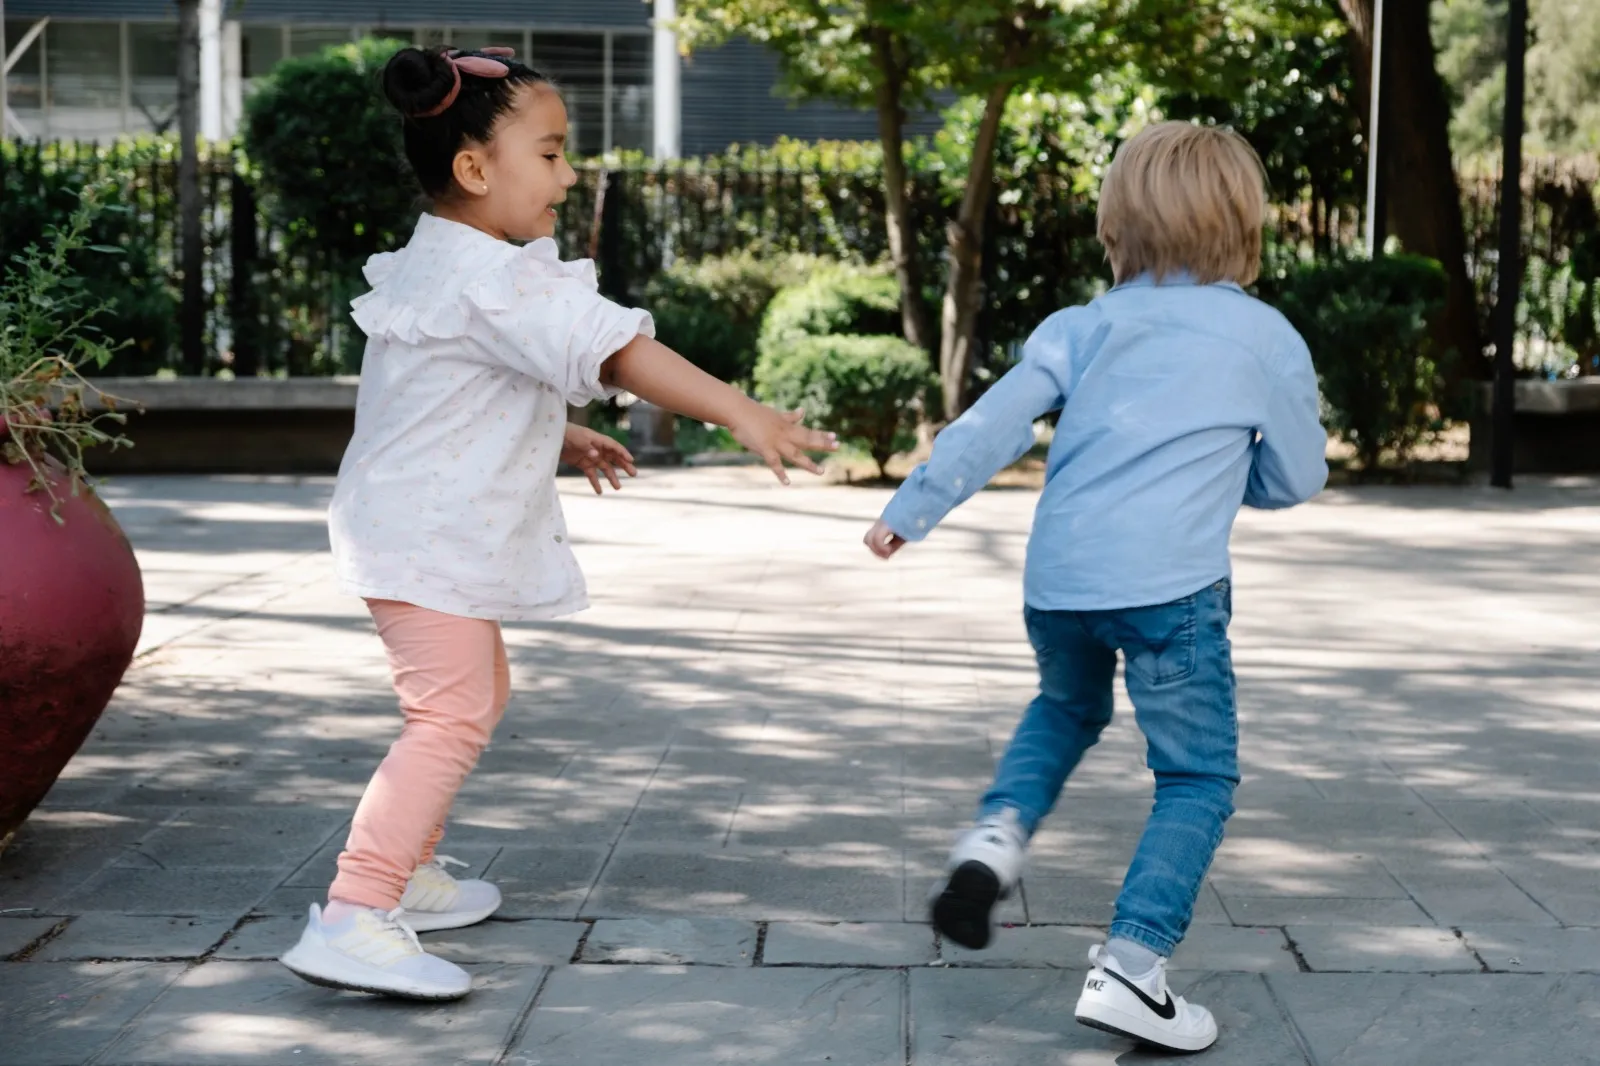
<point x="514" y="183"/>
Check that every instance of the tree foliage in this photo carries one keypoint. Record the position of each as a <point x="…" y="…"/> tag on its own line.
<point x="1563" y="102"/>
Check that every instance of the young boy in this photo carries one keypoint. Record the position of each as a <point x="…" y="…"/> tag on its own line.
<point x="1181" y="399"/>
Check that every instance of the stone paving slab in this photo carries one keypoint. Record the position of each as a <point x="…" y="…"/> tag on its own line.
<point x="177" y="893"/>
<point x="245" y="1013"/>
<point x="1445" y="1020"/>
<point x="848" y="944"/>
<point x="859" y="883"/>
<point x="1220" y="948"/>
<point x="1288" y="910"/>
<point x="123" y="936"/>
<point x="17" y="932"/>
<point x="1024" y="1018"/>
<point x="1463" y="890"/>
<point x="261" y="939"/>
<point x="672" y="941"/>
<point x="1055" y="947"/>
<point x="795" y="743"/>
<point x="545" y="882"/>
<point x="67" y="1012"/>
<point x="1381" y="949"/>
<point x="1535" y="949"/>
<point x="690" y="1016"/>
<point x="523" y="943"/>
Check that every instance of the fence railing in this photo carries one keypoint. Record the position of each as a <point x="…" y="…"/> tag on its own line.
<point x="271" y="310"/>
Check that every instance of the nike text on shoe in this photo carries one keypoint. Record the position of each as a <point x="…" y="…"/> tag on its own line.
<point x="984" y="868"/>
<point x="1143" y="1008"/>
<point x="370" y="951"/>
<point x="434" y="900"/>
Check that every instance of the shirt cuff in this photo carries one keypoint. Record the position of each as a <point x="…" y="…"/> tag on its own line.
<point x="911" y="515"/>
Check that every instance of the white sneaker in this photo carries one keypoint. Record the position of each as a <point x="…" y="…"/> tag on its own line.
<point x="985" y="866"/>
<point x="434" y="900"/>
<point x="370" y="951"/>
<point x="1144" y="1010"/>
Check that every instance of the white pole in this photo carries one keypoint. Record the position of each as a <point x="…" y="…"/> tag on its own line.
<point x="666" y="83"/>
<point x="1373" y="129"/>
<point x="211" y="91"/>
<point x="232" y="77"/>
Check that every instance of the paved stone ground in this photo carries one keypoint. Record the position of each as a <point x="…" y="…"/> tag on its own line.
<point x="720" y="796"/>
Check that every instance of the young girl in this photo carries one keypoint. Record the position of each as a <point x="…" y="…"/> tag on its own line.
<point x="446" y="518"/>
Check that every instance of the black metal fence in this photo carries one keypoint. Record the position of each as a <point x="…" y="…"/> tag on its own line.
<point x="269" y="310"/>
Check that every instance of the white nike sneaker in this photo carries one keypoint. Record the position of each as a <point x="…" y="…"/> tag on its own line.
<point x="434" y="900"/>
<point x="370" y="951"/>
<point x="1144" y="1010"/>
<point x="985" y="866"/>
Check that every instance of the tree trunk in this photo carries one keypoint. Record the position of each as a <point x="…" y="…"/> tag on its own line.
<point x="1424" y="197"/>
<point x="963" y="290"/>
<point x="192" y="255"/>
<point x="902" y="236"/>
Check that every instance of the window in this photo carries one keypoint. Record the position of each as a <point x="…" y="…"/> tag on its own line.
<point x="473" y="39"/>
<point x="153" y="77"/>
<point x="24" y="88"/>
<point x="309" y="40"/>
<point x="577" y="64"/>
<point x="83" y="79"/>
<point x="98" y="80"/>
<point x="260" y="49"/>
<point x="632" y="102"/>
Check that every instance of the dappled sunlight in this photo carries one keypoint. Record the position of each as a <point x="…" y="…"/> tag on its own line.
<point x="758" y="722"/>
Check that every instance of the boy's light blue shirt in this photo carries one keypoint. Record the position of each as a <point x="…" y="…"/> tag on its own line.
<point x="1179" y="403"/>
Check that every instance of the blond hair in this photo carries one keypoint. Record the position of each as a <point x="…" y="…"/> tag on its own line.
<point x="1184" y="199"/>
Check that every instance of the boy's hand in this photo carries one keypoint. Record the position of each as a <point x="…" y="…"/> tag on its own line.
<point x="779" y="437"/>
<point x="883" y="541"/>
<point x="596" y="454"/>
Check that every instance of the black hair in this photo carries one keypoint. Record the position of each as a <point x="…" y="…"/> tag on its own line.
<point x="418" y="81"/>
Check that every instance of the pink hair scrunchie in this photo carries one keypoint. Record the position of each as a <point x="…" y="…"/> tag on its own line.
<point x="479" y="65"/>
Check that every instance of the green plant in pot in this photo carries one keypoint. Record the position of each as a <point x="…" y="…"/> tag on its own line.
<point x="71" y="596"/>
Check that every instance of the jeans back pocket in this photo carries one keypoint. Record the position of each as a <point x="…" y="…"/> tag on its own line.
<point x="1158" y="643"/>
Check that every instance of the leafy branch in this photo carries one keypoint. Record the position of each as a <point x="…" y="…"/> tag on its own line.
<point x="49" y="412"/>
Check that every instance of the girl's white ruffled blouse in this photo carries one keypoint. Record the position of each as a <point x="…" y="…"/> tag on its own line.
<point x="446" y="497"/>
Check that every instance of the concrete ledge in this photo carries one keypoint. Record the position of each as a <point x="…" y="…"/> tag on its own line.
<point x="241" y="394"/>
<point x="217" y="426"/>
<point x="1572" y="396"/>
<point x="1556" y="427"/>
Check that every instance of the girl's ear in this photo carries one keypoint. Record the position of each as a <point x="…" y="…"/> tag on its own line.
<point x="468" y="169"/>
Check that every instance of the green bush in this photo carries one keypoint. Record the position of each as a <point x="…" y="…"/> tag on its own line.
<point x="328" y="150"/>
<point x="866" y="389"/>
<point x="710" y="311"/>
<point x="137" y="308"/>
<point x="331" y="168"/>
<point x="1367" y="325"/>
<point x="838" y="299"/>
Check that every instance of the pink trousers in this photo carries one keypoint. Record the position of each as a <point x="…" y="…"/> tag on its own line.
<point x="453" y="682"/>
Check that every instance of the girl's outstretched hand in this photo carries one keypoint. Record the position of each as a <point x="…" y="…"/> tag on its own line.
<point x="596" y="454"/>
<point x="779" y="438"/>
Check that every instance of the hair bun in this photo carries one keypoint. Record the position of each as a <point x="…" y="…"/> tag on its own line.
<point x="416" y="81"/>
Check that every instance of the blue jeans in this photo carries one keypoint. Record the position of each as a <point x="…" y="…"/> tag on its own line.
<point x="1180" y="677"/>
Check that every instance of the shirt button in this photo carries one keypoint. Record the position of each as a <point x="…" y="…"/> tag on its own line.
<point x="922" y="523"/>
<point x="960" y="481"/>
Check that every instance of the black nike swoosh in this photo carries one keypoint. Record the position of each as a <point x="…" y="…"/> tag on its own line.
<point x="1165" y="1011"/>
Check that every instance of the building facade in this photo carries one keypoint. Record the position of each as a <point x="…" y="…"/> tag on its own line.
<point x="99" y="69"/>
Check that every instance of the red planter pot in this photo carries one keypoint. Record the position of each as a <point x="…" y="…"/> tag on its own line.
<point x="71" y="608"/>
